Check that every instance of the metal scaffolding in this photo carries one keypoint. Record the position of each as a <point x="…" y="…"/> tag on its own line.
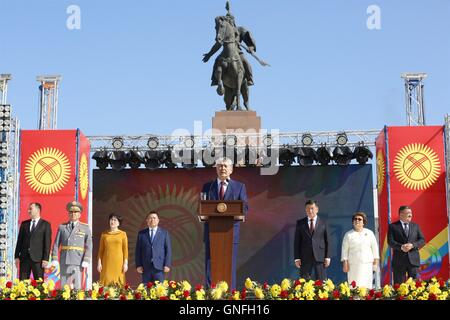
<point x="415" y="108"/>
<point x="48" y="103"/>
<point x="4" y="78"/>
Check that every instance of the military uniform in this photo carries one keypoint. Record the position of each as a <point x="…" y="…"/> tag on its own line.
<point x="76" y="248"/>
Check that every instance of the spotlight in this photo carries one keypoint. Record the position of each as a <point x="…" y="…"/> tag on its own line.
<point x="118" y="160"/>
<point x="362" y="154"/>
<point x="231" y="141"/>
<point x="324" y="155"/>
<point x="117" y="143"/>
<point x="189" y="142"/>
<point x="306" y="156"/>
<point x="307" y="139"/>
<point x="286" y="156"/>
<point x="101" y="158"/>
<point x="135" y="158"/>
<point x="342" y="155"/>
<point x="153" y="143"/>
<point x="153" y="159"/>
<point x="208" y="157"/>
<point x="341" y="138"/>
<point x="267" y="141"/>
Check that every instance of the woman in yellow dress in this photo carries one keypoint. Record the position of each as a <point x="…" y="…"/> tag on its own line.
<point x="113" y="253"/>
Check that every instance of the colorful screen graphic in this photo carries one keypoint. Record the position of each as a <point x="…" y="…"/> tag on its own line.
<point x="266" y="238"/>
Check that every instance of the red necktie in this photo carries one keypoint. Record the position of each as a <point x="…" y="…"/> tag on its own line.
<point x="222" y="190"/>
<point x="311" y="226"/>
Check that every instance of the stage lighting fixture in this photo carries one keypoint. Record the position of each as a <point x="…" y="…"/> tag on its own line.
<point x="153" y="143"/>
<point x="118" y="160"/>
<point x="189" y="142"/>
<point x="306" y="156"/>
<point x="101" y="159"/>
<point x="153" y="159"/>
<point x="117" y="143"/>
<point x="286" y="156"/>
<point x="208" y="157"/>
<point x="135" y="158"/>
<point x="167" y="159"/>
<point x="231" y="141"/>
<point x="307" y="139"/>
<point x="267" y="141"/>
<point x="362" y="154"/>
<point x="341" y="138"/>
<point x="342" y="155"/>
<point x="324" y="155"/>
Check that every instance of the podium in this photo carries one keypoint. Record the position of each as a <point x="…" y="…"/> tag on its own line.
<point x="221" y="216"/>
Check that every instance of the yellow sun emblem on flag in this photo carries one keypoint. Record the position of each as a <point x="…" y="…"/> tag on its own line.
<point x="47" y="170"/>
<point x="380" y="171"/>
<point x="83" y="176"/>
<point x="416" y="166"/>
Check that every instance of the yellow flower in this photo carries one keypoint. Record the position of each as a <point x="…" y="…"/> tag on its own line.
<point x="130" y="296"/>
<point x="23" y="293"/>
<point x="30" y="288"/>
<point x="285" y="284"/>
<point x="12" y="296"/>
<point x="236" y="295"/>
<point x="403" y="289"/>
<point x="66" y="295"/>
<point x="94" y="294"/>
<point x="259" y="293"/>
<point x="249" y="284"/>
<point x="2" y="282"/>
<point x="216" y="293"/>
<point x="200" y="295"/>
<point x="80" y="295"/>
<point x="178" y="293"/>
<point x="387" y="291"/>
<point x="51" y="285"/>
<point x="329" y="284"/>
<point x="161" y="290"/>
<point x="323" y="294"/>
<point x="434" y="288"/>
<point x="223" y="286"/>
<point x="36" y="293"/>
<point x="275" y="290"/>
<point x="362" y="292"/>
<point x="153" y="293"/>
<point x="173" y="297"/>
<point x="186" y="286"/>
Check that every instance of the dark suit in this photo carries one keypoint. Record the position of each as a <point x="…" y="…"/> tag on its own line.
<point x="235" y="191"/>
<point x="32" y="248"/>
<point x="405" y="262"/>
<point x="312" y="249"/>
<point x="154" y="255"/>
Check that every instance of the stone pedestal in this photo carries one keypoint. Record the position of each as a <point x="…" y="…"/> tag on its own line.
<point x="228" y="122"/>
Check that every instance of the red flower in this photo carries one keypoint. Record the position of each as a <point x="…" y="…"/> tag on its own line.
<point x="164" y="298"/>
<point x="127" y="286"/>
<point x="369" y="297"/>
<point x="100" y="291"/>
<point x="243" y="294"/>
<point x="137" y="296"/>
<point x="297" y="283"/>
<point x="106" y="296"/>
<point x="186" y="293"/>
<point x="336" y="294"/>
<point x="353" y="284"/>
<point x="7" y="298"/>
<point x="32" y="298"/>
<point x="172" y="283"/>
<point x="284" y="294"/>
<point x="54" y="293"/>
<point x="441" y="283"/>
<point x="122" y="297"/>
<point x="198" y="287"/>
<point x="34" y="283"/>
<point x="378" y="295"/>
<point x="418" y="283"/>
<point x="318" y="283"/>
<point x="213" y="285"/>
<point x="265" y="286"/>
<point x="401" y="298"/>
<point x="432" y="296"/>
<point x="149" y="285"/>
<point x="9" y="284"/>
<point x="396" y="286"/>
<point x="371" y="292"/>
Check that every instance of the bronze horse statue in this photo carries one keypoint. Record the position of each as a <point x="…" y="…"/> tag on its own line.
<point x="229" y="71"/>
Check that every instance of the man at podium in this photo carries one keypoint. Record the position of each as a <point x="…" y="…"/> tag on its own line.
<point x="223" y="188"/>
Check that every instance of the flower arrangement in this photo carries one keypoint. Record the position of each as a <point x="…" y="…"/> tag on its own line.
<point x="288" y="289"/>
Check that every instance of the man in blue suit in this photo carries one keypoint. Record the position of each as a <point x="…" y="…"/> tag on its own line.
<point x="153" y="255"/>
<point x="223" y="188"/>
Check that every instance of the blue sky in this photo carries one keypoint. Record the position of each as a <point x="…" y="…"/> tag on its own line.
<point x="135" y="67"/>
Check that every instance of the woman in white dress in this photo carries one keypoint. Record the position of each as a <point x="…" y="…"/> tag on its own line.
<point x="360" y="252"/>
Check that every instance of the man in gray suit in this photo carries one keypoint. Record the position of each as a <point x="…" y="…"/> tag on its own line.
<point x="75" y="240"/>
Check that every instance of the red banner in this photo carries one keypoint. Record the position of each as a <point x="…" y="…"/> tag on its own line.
<point x="416" y="177"/>
<point x="53" y="166"/>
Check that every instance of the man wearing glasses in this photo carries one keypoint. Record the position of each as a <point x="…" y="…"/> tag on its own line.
<point x="405" y="238"/>
<point x="75" y="240"/>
